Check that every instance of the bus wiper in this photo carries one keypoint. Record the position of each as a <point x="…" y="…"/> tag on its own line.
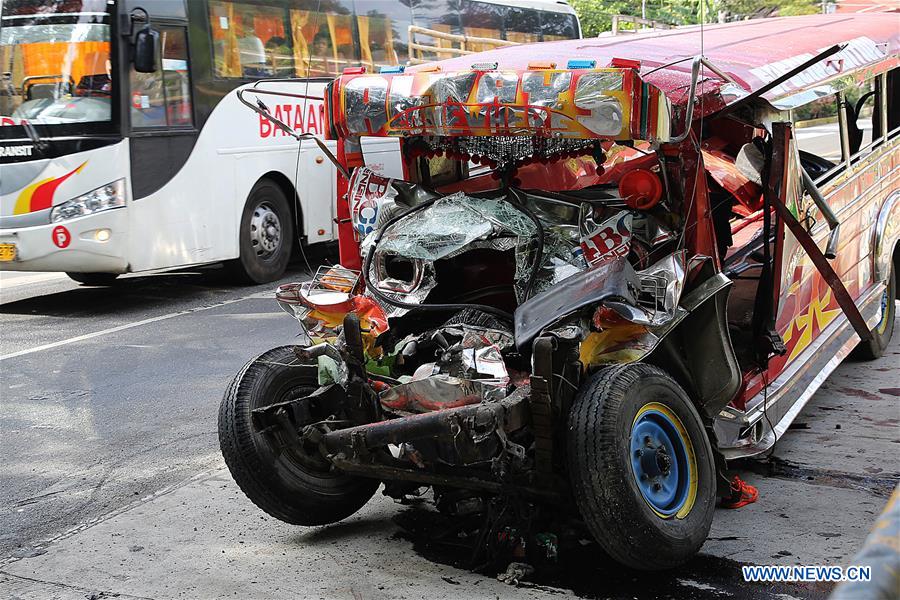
<point x="39" y="144"/>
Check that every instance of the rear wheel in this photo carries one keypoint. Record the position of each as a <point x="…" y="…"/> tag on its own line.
<point x="884" y="329"/>
<point x="97" y="279"/>
<point x="287" y="480"/>
<point x="641" y="467"/>
<point x="266" y="235"/>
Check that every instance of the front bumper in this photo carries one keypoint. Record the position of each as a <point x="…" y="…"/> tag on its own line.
<point x="38" y="248"/>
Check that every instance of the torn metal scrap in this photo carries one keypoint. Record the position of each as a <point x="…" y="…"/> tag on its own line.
<point x="440" y="391"/>
<point x="610" y="279"/>
<point x="469" y="368"/>
<point x="508" y="413"/>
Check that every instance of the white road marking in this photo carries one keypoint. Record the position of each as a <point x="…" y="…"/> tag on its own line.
<point x="88" y="336"/>
<point x="11" y="279"/>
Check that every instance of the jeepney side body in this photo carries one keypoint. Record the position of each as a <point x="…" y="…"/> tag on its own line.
<point x="862" y="189"/>
<point x="810" y="323"/>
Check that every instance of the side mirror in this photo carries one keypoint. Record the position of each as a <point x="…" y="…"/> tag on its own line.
<point x="146" y="49"/>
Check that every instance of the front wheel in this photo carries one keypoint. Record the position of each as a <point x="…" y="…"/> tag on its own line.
<point x="641" y="467"/>
<point x="265" y="236"/>
<point x="281" y="476"/>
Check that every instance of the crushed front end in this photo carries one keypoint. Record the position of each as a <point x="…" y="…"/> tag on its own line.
<point x="534" y="240"/>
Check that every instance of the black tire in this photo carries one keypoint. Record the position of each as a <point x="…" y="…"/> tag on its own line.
<point x="884" y="330"/>
<point x="96" y="279"/>
<point x="291" y="485"/>
<point x="261" y="259"/>
<point x="603" y="479"/>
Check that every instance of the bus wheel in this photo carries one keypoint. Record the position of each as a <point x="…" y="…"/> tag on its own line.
<point x="266" y="235"/>
<point x="97" y="279"/>
<point x="283" y="476"/>
<point x="884" y="329"/>
<point x="641" y="467"/>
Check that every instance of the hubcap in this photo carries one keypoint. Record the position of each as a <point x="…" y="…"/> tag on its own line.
<point x="265" y="231"/>
<point x="663" y="462"/>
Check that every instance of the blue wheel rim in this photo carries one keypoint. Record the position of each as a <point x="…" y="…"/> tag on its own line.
<point x="882" y="323"/>
<point x="661" y="460"/>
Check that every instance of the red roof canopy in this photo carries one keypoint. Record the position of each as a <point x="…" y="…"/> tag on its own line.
<point x="752" y="52"/>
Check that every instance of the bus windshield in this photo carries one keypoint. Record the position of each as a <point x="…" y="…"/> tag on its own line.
<point x="55" y="62"/>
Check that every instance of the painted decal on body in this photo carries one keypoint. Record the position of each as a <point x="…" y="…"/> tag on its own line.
<point x="39" y="195"/>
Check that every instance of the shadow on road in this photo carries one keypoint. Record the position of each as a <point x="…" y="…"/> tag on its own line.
<point x="137" y="294"/>
<point x="583" y="567"/>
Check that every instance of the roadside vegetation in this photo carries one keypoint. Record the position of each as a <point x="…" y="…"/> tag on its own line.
<point x="596" y="15"/>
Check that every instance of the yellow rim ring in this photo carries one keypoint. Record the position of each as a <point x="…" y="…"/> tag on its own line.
<point x="886" y="315"/>
<point x="694" y="480"/>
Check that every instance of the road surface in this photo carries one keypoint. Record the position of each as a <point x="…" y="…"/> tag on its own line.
<point x="112" y="482"/>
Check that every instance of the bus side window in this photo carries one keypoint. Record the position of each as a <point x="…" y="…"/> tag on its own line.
<point x="522" y="26"/>
<point x="480" y="19"/>
<point x="163" y="98"/>
<point x="818" y="135"/>
<point x="438" y="17"/>
<point x="383" y="29"/>
<point x="250" y="41"/>
<point x="324" y="41"/>
<point x="558" y="26"/>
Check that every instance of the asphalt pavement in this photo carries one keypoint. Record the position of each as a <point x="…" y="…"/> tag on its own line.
<point x="112" y="483"/>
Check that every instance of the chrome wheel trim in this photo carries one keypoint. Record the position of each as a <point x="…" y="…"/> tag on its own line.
<point x="265" y="231"/>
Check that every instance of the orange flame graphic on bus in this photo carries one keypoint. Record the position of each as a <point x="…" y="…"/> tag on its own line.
<point x="39" y="195"/>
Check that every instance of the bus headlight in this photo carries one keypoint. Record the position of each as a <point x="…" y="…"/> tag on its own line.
<point x="111" y="195"/>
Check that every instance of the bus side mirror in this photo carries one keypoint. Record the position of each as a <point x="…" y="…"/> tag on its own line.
<point x="146" y="49"/>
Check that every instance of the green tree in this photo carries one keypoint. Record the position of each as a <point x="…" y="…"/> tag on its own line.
<point x="596" y="15"/>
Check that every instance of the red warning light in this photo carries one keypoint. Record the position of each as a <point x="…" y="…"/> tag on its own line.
<point x="641" y="189"/>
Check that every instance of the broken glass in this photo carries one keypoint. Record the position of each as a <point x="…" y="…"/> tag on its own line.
<point x="451" y="224"/>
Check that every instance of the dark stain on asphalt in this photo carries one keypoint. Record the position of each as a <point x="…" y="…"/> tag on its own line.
<point x="585" y="569"/>
<point x="882" y="485"/>
<point x="891" y="391"/>
<point x="860" y="394"/>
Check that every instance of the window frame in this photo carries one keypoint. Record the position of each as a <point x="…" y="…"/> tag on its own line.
<point x="145" y="130"/>
<point x="842" y="164"/>
<point x="879" y="87"/>
<point x="850" y="162"/>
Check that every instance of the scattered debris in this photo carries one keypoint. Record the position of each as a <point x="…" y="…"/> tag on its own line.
<point x="516" y="573"/>
<point x="742" y="494"/>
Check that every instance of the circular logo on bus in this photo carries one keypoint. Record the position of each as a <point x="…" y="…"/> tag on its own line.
<point x="61" y="236"/>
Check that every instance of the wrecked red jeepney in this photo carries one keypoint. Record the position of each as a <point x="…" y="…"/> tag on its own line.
<point x="606" y="268"/>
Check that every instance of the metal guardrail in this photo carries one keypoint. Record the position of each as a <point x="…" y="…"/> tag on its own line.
<point x="638" y="24"/>
<point x="418" y="49"/>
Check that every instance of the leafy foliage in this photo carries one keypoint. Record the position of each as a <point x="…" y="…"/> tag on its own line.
<point x="596" y="15"/>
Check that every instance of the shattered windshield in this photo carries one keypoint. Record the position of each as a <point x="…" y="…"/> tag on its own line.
<point x="55" y="62"/>
<point x="454" y="223"/>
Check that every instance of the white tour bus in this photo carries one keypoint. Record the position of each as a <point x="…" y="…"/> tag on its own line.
<point x="124" y="148"/>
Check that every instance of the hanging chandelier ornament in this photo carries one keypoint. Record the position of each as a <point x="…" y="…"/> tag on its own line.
<point x="502" y="153"/>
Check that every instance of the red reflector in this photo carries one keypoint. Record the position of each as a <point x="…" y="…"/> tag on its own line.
<point x="625" y="63"/>
<point x="541" y="64"/>
<point x="354" y="70"/>
<point x="641" y="189"/>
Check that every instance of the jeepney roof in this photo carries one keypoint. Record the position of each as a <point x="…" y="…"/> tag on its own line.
<point x="752" y="52"/>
